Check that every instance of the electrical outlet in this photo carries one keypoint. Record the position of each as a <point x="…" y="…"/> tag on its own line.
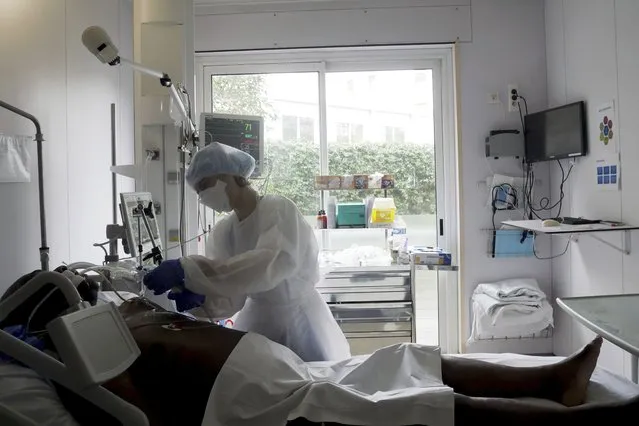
<point x="513" y="98"/>
<point x="493" y="98"/>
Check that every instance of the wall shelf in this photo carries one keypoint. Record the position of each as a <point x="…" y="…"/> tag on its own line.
<point x="571" y="230"/>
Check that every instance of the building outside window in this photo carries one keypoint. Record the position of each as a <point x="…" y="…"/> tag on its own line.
<point x="349" y="133"/>
<point x="298" y="128"/>
<point x="394" y="134"/>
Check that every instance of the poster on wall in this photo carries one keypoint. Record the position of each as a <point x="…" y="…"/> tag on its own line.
<point x="607" y="127"/>
<point x="608" y="173"/>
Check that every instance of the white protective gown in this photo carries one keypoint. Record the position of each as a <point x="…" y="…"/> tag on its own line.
<point x="266" y="265"/>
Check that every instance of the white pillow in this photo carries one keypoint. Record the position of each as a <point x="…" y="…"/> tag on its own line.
<point x="25" y="392"/>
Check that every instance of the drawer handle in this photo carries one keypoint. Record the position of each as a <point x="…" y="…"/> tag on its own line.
<point x="374" y="319"/>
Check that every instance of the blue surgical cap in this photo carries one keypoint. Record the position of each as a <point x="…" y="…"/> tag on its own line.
<point x="219" y="159"/>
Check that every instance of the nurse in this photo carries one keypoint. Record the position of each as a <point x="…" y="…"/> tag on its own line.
<point x="261" y="260"/>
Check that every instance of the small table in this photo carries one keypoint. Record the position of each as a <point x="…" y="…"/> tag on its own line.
<point x="615" y="318"/>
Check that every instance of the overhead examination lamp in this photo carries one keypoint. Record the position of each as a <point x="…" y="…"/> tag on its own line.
<point x="98" y="42"/>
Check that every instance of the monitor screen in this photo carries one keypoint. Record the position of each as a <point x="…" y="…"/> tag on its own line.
<point x="243" y="132"/>
<point x="556" y="133"/>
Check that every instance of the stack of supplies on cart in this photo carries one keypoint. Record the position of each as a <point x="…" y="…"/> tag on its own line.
<point x="510" y="309"/>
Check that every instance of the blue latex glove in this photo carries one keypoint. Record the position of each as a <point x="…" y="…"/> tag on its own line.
<point x="167" y="275"/>
<point x="185" y="300"/>
<point x="20" y="332"/>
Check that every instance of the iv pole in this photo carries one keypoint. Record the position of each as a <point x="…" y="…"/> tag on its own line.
<point x="44" y="249"/>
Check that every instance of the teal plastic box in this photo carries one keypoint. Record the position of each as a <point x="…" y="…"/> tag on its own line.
<point x="351" y="215"/>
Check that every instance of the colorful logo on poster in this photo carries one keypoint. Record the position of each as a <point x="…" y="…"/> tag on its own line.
<point x="605" y="130"/>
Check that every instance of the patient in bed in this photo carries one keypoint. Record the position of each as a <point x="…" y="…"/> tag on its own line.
<point x="181" y="358"/>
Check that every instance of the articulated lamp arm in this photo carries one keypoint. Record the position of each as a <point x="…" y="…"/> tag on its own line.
<point x="98" y="42"/>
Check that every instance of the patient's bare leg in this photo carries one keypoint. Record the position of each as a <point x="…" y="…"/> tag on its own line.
<point x="565" y="382"/>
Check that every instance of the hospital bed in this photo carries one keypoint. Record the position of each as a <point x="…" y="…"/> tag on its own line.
<point x="24" y="394"/>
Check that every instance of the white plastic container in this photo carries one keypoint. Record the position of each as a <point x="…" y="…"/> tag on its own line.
<point x="331" y="212"/>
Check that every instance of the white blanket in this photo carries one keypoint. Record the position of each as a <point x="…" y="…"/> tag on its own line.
<point x="264" y="383"/>
<point x="494" y="320"/>
<point x="515" y="290"/>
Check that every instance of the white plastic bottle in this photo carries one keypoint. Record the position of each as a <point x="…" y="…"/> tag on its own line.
<point x="331" y="212"/>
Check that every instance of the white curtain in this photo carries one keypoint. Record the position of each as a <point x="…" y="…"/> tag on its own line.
<point x="15" y="159"/>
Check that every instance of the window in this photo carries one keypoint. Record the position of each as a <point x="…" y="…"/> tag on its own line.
<point x="381" y="110"/>
<point x="372" y="80"/>
<point x="349" y="133"/>
<point x="298" y="128"/>
<point x="289" y="103"/>
<point x="357" y="133"/>
<point x="394" y="104"/>
<point x="394" y="134"/>
<point x="405" y="148"/>
<point x="289" y="128"/>
<point x="343" y="132"/>
<point x="350" y="86"/>
<point x="307" y="129"/>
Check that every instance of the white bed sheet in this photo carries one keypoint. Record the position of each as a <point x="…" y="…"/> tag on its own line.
<point x="263" y="383"/>
<point x="25" y="392"/>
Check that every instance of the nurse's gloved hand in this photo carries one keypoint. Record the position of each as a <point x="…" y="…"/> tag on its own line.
<point x="167" y="275"/>
<point x="185" y="299"/>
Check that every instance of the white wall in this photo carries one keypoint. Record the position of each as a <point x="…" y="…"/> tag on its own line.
<point x="508" y="46"/>
<point x="47" y="71"/>
<point x="501" y="42"/>
<point x="163" y="40"/>
<point x="228" y="25"/>
<point x="592" y="56"/>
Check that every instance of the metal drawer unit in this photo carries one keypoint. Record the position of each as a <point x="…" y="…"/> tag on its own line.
<point x="373" y="306"/>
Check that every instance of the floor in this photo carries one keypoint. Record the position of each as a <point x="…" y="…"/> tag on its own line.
<point x="426" y="308"/>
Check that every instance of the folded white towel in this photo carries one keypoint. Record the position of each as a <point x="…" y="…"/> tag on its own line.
<point x="494" y="319"/>
<point x="506" y="313"/>
<point x="515" y="290"/>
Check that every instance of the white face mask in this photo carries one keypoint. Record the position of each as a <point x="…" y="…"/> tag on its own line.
<point x="215" y="198"/>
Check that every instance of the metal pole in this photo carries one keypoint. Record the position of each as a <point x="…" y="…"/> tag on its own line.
<point x="182" y="218"/>
<point x="44" y="248"/>
<point x="113" y="245"/>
